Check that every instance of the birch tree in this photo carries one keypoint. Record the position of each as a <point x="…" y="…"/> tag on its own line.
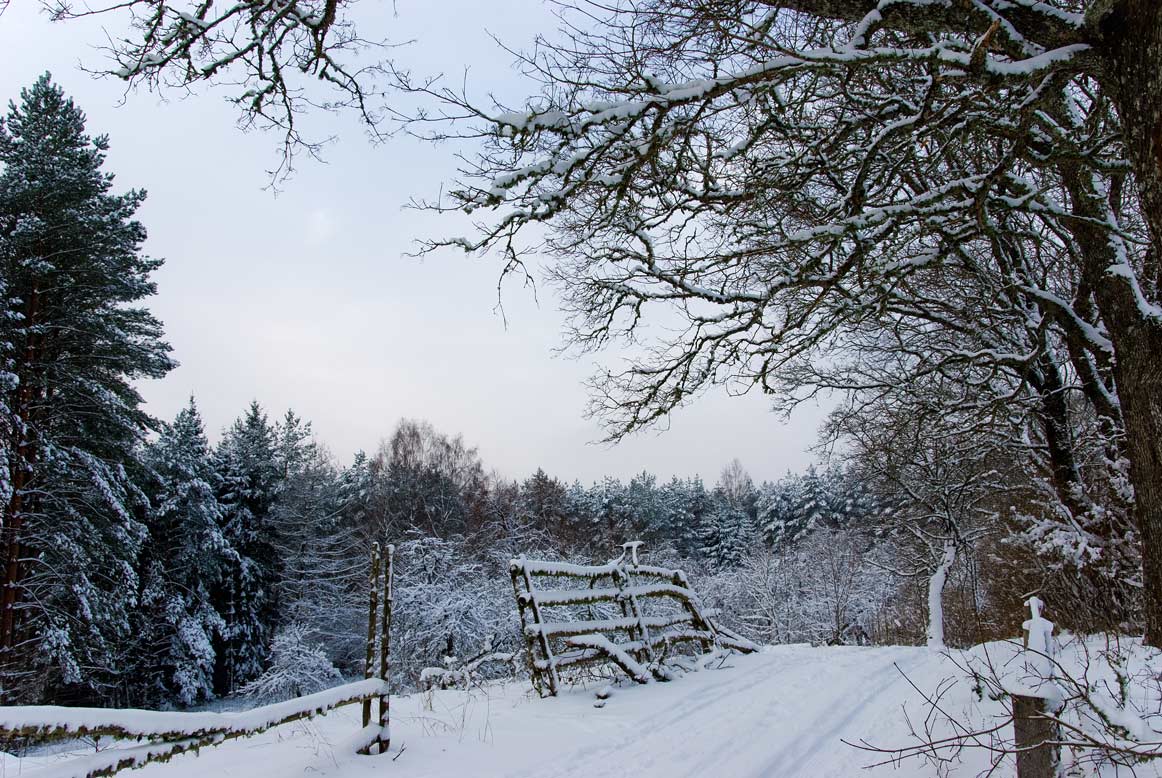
<point x="947" y="494"/>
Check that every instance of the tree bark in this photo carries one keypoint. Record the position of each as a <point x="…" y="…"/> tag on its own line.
<point x="22" y="457"/>
<point x="13" y="522"/>
<point x="1033" y="735"/>
<point x="1056" y="427"/>
<point x="1128" y="34"/>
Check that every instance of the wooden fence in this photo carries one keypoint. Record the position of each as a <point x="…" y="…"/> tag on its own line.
<point x="653" y="611"/>
<point x="161" y="735"/>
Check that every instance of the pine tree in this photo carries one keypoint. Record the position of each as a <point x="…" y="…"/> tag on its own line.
<point x="353" y="495"/>
<point x="247" y="476"/>
<point x="776" y="512"/>
<point x="579" y="510"/>
<point x="727" y="532"/>
<point x="694" y="515"/>
<point x="543" y="498"/>
<point x="73" y="339"/>
<point x="646" y="516"/>
<point x="185" y="557"/>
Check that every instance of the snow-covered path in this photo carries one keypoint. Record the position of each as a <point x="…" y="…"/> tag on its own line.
<point x="783" y="712"/>
<point x="780" y="713"/>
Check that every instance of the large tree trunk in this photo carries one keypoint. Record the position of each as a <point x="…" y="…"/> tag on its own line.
<point x="1137" y="342"/>
<point x="1128" y="34"/>
<point x="9" y="595"/>
<point x="1140" y="390"/>
<point x="22" y="457"/>
<point x="1129" y="37"/>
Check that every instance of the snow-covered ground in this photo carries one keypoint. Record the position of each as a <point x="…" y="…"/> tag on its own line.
<point x="783" y="712"/>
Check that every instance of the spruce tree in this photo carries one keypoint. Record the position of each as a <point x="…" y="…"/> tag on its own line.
<point x="248" y="480"/>
<point x="73" y="337"/>
<point x="697" y="506"/>
<point x="185" y="558"/>
<point x="728" y="532"/>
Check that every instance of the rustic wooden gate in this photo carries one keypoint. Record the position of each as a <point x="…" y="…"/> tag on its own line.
<point x="658" y="612"/>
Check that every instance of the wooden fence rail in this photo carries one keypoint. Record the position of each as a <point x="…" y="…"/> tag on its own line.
<point x="168" y="733"/>
<point x="162" y="735"/>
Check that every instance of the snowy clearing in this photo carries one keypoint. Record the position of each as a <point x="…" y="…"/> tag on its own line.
<point x="782" y="712"/>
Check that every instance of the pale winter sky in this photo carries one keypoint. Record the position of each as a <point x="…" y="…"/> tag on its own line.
<point x="307" y="300"/>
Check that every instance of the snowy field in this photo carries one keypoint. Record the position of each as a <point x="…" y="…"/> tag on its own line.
<point x="783" y="712"/>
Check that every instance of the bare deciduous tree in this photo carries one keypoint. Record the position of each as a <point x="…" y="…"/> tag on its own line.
<point x="773" y="176"/>
<point x="282" y="59"/>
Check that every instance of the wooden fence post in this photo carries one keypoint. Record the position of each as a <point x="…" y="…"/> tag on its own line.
<point x="385" y="649"/>
<point x="534" y="606"/>
<point x="1034" y="730"/>
<point x="514" y="568"/>
<point x="644" y="655"/>
<point x="372" y="613"/>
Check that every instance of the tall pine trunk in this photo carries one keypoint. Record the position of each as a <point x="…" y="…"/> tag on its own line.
<point x="23" y="456"/>
<point x="13" y="523"/>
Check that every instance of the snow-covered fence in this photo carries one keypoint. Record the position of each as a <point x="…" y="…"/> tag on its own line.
<point x="166" y="734"/>
<point x="161" y="735"/>
<point x="657" y="607"/>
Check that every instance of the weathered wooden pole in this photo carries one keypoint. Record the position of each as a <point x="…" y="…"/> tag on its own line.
<point x="372" y="612"/>
<point x="644" y="655"/>
<point x="385" y="649"/>
<point x="1035" y="733"/>
<point x="546" y="646"/>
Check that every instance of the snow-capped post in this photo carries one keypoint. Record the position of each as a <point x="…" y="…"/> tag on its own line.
<point x="1034" y="729"/>
<point x="515" y="566"/>
<point x="546" y="647"/>
<point x="644" y="655"/>
<point x="385" y="649"/>
<point x="372" y="613"/>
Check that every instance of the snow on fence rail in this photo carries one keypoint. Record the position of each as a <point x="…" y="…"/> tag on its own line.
<point x="463" y="675"/>
<point x="169" y="733"/>
<point x="658" y="610"/>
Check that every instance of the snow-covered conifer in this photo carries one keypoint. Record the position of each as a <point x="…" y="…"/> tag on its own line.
<point x="74" y="337"/>
<point x="184" y="559"/>
<point x="247" y="481"/>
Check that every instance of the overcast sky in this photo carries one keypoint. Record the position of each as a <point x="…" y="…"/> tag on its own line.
<point x="307" y="300"/>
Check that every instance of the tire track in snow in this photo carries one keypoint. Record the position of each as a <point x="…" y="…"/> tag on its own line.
<point x="796" y="758"/>
<point x="725" y="728"/>
<point x="637" y="744"/>
<point x="766" y="729"/>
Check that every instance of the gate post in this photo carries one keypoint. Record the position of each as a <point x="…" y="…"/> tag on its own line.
<point x="1034" y="730"/>
<point x="385" y="649"/>
<point x="372" y="612"/>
